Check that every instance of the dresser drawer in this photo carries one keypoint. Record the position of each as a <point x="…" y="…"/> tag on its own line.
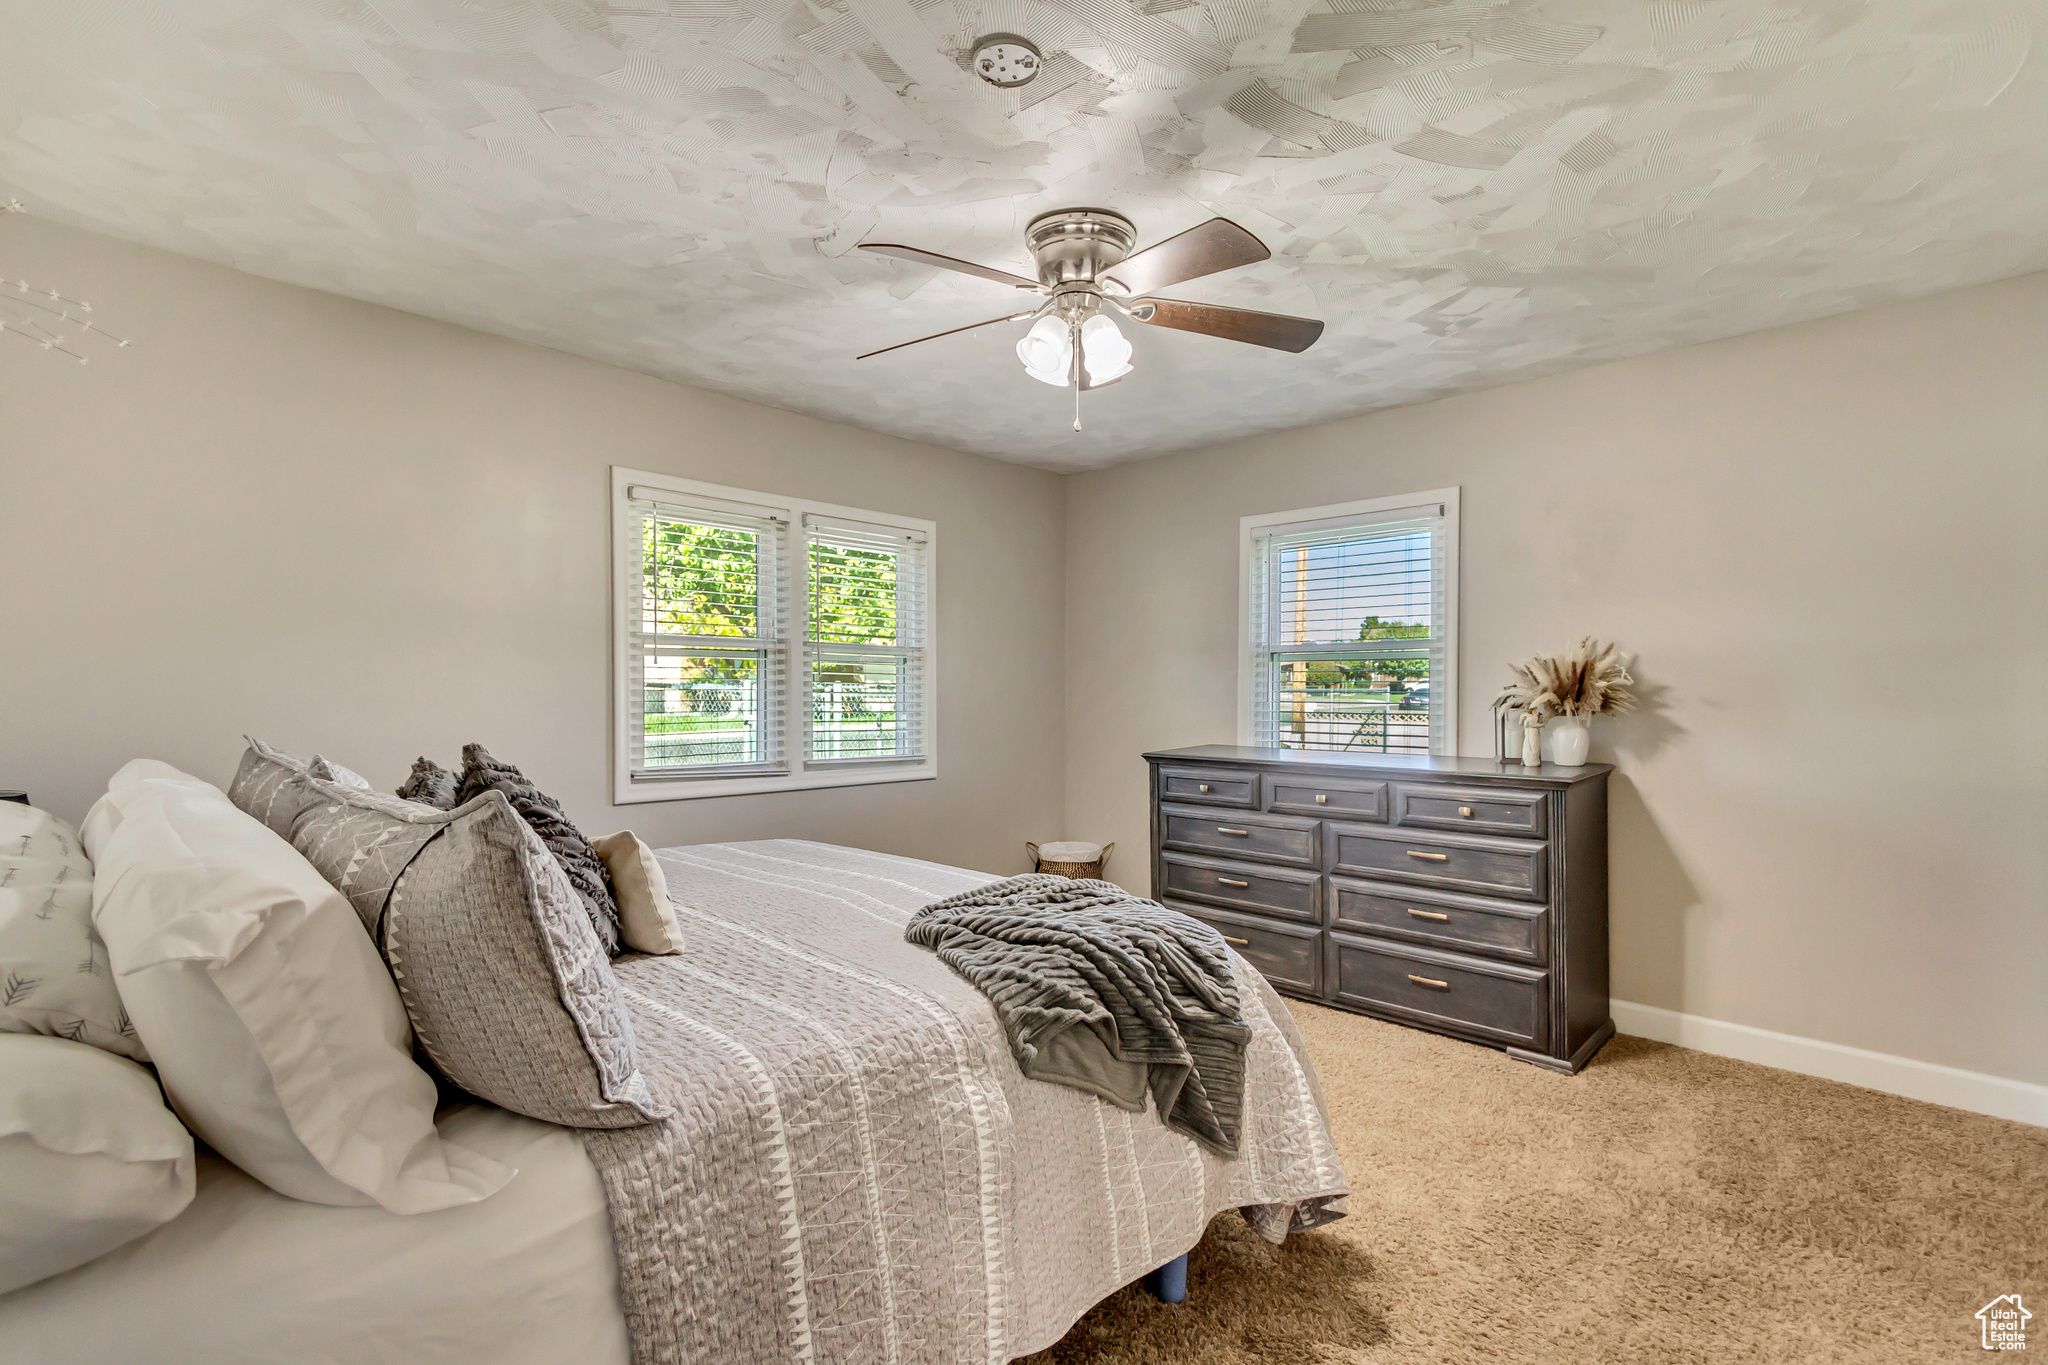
<point x="1288" y="957"/>
<point x="1498" y="1001"/>
<point x="1246" y="887"/>
<point x="1508" y="867"/>
<point x="1269" y="838"/>
<point x="1438" y="919"/>
<point x="1478" y="809"/>
<point x="1210" y="787"/>
<point x="1337" y="800"/>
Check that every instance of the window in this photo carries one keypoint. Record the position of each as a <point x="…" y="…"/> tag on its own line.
<point x="766" y="643"/>
<point x="1350" y="627"/>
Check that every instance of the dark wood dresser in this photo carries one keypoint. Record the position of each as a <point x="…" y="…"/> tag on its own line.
<point x="1459" y="895"/>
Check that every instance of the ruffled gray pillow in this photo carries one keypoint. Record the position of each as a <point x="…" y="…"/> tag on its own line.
<point x="430" y="784"/>
<point x="586" y="871"/>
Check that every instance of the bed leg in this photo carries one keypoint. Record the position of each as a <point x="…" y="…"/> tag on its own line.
<point x="1169" y="1283"/>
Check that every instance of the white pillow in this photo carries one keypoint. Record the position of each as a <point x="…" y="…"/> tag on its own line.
<point x="89" y="1157"/>
<point x="328" y="771"/>
<point x="54" y="977"/>
<point x="271" y="1018"/>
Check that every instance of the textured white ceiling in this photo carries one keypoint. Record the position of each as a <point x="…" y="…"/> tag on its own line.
<point x="1467" y="192"/>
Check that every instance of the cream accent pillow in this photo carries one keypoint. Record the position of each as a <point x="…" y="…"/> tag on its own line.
<point x="647" y="922"/>
<point x="273" y="1023"/>
<point x="89" y="1157"/>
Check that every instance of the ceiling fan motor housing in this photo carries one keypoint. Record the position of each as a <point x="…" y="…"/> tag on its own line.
<point x="1078" y="245"/>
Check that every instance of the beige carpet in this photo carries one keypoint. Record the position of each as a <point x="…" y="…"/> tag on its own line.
<point x="1663" y="1205"/>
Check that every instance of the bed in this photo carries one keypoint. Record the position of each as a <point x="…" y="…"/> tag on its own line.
<point x="247" y="1275"/>
<point x="856" y="1171"/>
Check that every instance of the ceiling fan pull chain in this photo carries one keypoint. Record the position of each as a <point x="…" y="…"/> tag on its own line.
<point x="1077" y="375"/>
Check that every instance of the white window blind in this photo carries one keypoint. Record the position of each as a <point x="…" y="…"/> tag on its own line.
<point x="764" y="643"/>
<point x="707" y="656"/>
<point x="1349" y="632"/>
<point x="864" y="644"/>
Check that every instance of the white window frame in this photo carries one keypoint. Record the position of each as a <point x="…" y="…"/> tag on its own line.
<point x="628" y="568"/>
<point x="1248" y="529"/>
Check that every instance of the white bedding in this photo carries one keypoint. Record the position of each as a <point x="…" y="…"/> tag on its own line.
<point x="245" y="1275"/>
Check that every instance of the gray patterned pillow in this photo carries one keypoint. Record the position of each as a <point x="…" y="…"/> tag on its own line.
<point x="359" y="839"/>
<point x="508" y="989"/>
<point x="259" y="787"/>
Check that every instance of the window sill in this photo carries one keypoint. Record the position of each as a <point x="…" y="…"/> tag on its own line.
<point x="627" y="792"/>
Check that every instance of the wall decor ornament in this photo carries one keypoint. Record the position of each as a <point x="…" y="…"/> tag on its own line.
<point x="46" y="317"/>
<point x="1589" y="679"/>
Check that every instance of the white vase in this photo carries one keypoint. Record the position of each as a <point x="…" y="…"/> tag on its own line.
<point x="1570" y="737"/>
<point x="1532" y="743"/>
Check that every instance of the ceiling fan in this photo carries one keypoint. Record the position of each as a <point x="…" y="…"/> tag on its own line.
<point x="1087" y="271"/>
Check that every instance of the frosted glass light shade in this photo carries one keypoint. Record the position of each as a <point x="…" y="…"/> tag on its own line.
<point x="1104" y="350"/>
<point x="1047" y="352"/>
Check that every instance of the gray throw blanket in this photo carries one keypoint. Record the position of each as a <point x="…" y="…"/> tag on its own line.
<point x="1106" y="992"/>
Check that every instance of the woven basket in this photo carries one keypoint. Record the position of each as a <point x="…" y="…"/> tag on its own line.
<point x="1061" y="859"/>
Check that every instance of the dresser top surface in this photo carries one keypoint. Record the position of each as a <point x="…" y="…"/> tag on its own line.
<point x="1392" y="765"/>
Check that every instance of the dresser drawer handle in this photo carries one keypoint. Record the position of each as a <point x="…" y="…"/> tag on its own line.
<point x="1322" y="800"/>
<point x="1240" y="833"/>
<point x="1237" y="942"/>
<point x="1430" y="857"/>
<point x="1427" y="981"/>
<point x="1232" y="881"/>
<point x="1465" y="811"/>
<point x="1428" y="914"/>
<point x="1201" y="786"/>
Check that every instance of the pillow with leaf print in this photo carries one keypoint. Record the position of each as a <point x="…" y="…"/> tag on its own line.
<point x="54" y="977"/>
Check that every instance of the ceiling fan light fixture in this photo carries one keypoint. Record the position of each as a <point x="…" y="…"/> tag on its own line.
<point x="1047" y="351"/>
<point x="1104" y="350"/>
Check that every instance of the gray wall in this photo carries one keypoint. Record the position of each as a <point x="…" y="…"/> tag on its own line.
<point x="1826" y="545"/>
<point x="347" y="529"/>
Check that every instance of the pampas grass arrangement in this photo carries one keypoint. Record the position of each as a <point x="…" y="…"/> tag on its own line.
<point x="1589" y="679"/>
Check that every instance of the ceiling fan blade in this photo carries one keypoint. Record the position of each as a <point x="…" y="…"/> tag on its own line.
<point x="1204" y="249"/>
<point x="911" y="253"/>
<point x="1274" y="330"/>
<point x="1013" y="317"/>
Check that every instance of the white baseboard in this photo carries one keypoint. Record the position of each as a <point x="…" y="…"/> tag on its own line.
<point x="1958" y="1089"/>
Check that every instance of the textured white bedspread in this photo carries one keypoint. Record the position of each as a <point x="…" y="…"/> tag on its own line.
<point x="857" y="1172"/>
<point x="245" y="1276"/>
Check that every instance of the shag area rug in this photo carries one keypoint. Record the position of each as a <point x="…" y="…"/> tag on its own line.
<point x="1663" y="1205"/>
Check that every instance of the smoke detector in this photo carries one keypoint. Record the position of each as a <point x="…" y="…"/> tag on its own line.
<point x="1006" y="61"/>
